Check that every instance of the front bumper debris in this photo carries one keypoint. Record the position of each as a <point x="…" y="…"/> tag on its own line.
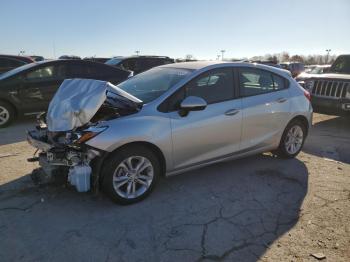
<point x="71" y="163"/>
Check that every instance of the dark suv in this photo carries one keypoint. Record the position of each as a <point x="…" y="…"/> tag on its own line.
<point x="330" y="92"/>
<point x="139" y="64"/>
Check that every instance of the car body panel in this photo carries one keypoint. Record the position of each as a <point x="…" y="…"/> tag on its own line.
<point x="264" y="117"/>
<point x="204" y="137"/>
<point x="220" y="131"/>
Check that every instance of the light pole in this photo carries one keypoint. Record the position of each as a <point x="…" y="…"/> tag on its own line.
<point x="218" y="57"/>
<point x="137" y="52"/>
<point x="328" y="51"/>
<point x="222" y="54"/>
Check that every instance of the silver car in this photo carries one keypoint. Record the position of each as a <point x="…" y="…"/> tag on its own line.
<point x="168" y="120"/>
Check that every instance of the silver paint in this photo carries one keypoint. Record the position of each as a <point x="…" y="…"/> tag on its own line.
<point x="222" y="131"/>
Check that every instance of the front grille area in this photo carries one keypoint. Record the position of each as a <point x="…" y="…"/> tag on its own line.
<point x="330" y="88"/>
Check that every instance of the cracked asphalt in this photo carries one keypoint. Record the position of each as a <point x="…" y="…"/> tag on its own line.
<point x="259" y="208"/>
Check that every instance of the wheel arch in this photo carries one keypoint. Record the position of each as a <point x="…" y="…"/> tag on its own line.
<point x="158" y="152"/>
<point x="11" y="104"/>
<point x="303" y="120"/>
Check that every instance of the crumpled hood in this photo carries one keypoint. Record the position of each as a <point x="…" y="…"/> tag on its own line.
<point x="77" y="101"/>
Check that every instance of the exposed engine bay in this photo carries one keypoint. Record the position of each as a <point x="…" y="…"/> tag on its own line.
<point x="79" y="111"/>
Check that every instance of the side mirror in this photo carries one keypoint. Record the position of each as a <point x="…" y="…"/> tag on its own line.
<point x="192" y="103"/>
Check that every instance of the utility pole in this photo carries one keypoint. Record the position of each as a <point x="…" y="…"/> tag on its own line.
<point x="222" y="54"/>
<point x="328" y="51"/>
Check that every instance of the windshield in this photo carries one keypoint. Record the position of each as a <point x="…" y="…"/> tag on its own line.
<point x="316" y="70"/>
<point x="16" y="70"/>
<point x="114" y="61"/>
<point x="341" y="65"/>
<point x="151" y="84"/>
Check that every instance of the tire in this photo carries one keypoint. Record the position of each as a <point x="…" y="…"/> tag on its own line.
<point x="285" y="147"/>
<point x="7" y="114"/>
<point x="118" y="177"/>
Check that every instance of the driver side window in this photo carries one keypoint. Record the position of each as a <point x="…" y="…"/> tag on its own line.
<point x="41" y="73"/>
<point x="214" y="86"/>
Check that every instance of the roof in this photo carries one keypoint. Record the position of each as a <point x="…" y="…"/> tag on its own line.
<point x="195" y="65"/>
<point x="26" y="59"/>
<point x="212" y="64"/>
<point x="141" y="56"/>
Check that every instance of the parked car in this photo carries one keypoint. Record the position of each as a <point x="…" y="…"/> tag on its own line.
<point x="330" y="92"/>
<point x="139" y="64"/>
<point x="267" y="62"/>
<point x="169" y="120"/>
<point x="28" y="89"/>
<point x="97" y="59"/>
<point x="316" y="70"/>
<point x="9" y="62"/>
<point x="73" y="57"/>
<point x="37" y="58"/>
<point x="294" y="67"/>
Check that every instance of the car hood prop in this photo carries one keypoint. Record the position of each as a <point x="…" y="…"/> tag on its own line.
<point x="77" y="101"/>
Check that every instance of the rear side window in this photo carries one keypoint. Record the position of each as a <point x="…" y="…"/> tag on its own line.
<point x="130" y="64"/>
<point x="78" y="71"/>
<point x="255" y="82"/>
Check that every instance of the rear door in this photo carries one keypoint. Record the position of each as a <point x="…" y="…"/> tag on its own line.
<point x="213" y="132"/>
<point x="265" y="107"/>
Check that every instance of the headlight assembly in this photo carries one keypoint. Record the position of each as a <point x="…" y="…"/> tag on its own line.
<point x="90" y="133"/>
<point x="309" y="84"/>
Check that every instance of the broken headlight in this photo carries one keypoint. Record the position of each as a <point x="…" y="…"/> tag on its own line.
<point x="89" y="133"/>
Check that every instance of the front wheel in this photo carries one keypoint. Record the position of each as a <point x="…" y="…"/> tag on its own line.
<point x="130" y="174"/>
<point x="292" y="140"/>
<point x="7" y="114"/>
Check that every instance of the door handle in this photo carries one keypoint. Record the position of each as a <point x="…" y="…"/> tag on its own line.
<point x="231" y="112"/>
<point x="281" y="100"/>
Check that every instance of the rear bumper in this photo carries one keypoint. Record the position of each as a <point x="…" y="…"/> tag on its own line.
<point x="331" y="106"/>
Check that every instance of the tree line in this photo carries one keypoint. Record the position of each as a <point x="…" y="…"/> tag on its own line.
<point x="306" y="59"/>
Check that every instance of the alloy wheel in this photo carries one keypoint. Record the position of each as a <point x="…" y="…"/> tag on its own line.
<point x="4" y="115"/>
<point x="133" y="177"/>
<point x="294" y="139"/>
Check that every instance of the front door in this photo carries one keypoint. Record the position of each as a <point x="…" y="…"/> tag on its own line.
<point x="39" y="86"/>
<point x="213" y="132"/>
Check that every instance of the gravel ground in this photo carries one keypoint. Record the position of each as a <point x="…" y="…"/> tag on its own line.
<point x="259" y="208"/>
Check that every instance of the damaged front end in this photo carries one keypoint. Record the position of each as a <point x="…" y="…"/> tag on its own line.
<point x="79" y="111"/>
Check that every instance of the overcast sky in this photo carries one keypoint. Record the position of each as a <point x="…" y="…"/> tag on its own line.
<point x="243" y="28"/>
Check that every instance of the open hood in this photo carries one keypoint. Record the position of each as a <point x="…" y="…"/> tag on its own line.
<point x="77" y="101"/>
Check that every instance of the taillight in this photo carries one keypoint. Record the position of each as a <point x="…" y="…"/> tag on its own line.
<point x="307" y="95"/>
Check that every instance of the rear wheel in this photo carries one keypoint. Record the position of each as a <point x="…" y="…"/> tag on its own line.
<point x="130" y="174"/>
<point x="292" y="140"/>
<point x="7" y="114"/>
